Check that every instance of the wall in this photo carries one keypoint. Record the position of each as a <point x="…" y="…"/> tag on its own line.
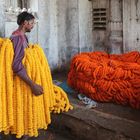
<point x="68" y="32"/>
<point x="85" y="26"/>
<point x="2" y="17"/>
<point x="116" y="27"/>
<point x="65" y="28"/>
<point x="131" y="25"/>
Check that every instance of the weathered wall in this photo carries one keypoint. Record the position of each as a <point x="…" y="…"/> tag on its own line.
<point x="2" y="3"/>
<point x="85" y="26"/>
<point x="131" y="25"/>
<point x="74" y="32"/>
<point x="115" y="27"/>
<point x="47" y="33"/>
<point x="64" y="28"/>
<point x="66" y="32"/>
<point x="100" y="32"/>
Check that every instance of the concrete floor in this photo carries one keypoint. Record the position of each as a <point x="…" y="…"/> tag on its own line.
<point x="43" y="135"/>
<point x="50" y="135"/>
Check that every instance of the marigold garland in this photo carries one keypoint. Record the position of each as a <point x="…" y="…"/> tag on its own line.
<point x="23" y="113"/>
<point x="107" y="78"/>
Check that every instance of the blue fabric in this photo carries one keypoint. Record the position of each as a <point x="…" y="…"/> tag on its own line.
<point x="66" y="87"/>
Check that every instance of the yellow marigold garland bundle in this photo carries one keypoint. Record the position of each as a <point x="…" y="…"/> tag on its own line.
<point x="23" y="113"/>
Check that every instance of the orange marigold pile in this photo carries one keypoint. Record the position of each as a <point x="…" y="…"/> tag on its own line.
<point x="107" y="77"/>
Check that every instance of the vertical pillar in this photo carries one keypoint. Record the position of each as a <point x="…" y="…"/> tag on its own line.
<point x="115" y="26"/>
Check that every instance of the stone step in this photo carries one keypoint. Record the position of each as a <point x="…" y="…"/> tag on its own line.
<point x="93" y="124"/>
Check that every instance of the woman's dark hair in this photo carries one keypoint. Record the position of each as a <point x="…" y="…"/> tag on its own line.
<point x="24" y="16"/>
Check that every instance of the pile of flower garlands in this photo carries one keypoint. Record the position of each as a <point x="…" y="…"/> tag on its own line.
<point x="21" y="112"/>
<point x="107" y="78"/>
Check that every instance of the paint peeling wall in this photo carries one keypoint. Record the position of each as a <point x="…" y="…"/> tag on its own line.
<point x="85" y="26"/>
<point x="74" y="29"/>
<point x="2" y="19"/>
<point x="67" y="25"/>
<point x="64" y="28"/>
<point x="47" y="34"/>
<point x="131" y="25"/>
<point x="116" y="27"/>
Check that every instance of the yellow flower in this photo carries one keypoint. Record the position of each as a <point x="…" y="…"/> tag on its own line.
<point x="23" y="113"/>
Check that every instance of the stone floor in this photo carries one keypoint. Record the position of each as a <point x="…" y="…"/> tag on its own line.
<point x="43" y="135"/>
